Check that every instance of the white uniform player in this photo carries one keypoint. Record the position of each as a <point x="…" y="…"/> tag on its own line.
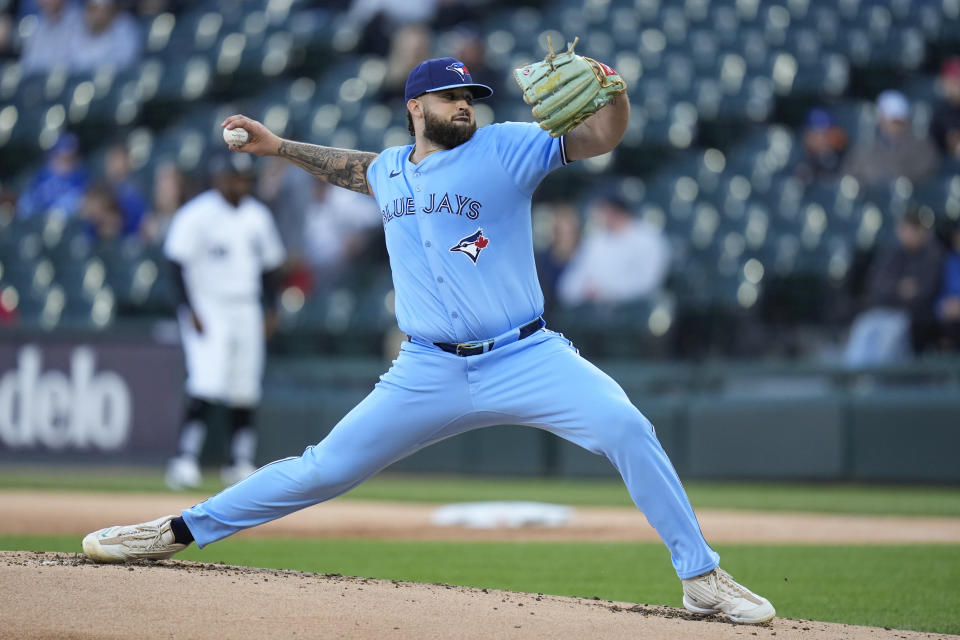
<point x="221" y="243"/>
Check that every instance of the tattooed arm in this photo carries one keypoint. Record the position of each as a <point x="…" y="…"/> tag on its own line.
<point x="342" y="167"/>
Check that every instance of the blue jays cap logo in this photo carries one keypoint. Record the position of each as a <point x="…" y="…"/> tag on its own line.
<point x="472" y="245"/>
<point x="460" y="69"/>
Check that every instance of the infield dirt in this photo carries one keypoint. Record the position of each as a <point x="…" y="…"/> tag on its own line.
<point x="51" y="595"/>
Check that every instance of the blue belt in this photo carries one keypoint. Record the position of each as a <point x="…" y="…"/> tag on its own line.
<point x="483" y="346"/>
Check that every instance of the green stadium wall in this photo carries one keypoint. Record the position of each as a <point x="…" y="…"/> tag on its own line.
<point x="747" y="421"/>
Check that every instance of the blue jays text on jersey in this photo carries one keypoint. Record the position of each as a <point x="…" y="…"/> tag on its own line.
<point x="436" y="203"/>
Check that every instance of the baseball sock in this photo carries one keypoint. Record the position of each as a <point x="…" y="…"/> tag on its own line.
<point x="181" y="532"/>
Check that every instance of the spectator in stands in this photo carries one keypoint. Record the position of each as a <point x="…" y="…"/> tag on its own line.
<point x="7" y="49"/>
<point x="170" y="191"/>
<point x="945" y="124"/>
<point x="125" y="191"/>
<point x="53" y="42"/>
<point x="9" y="313"/>
<point x="30" y="7"/>
<point x="156" y="7"/>
<point x="58" y="188"/>
<point x="948" y="303"/>
<point x="8" y="204"/>
<point x="341" y="229"/>
<point x="902" y="285"/>
<point x="102" y="213"/>
<point x="895" y="151"/>
<point x="469" y="48"/>
<point x="410" y="45"/>
<point x="380" y="21"/>
<point x="824" y="143"/>
<point x="553" y="259"/>
<point x="288" y="193"/>
<point x="621" y="258"/>
<point x="109" y="37"/>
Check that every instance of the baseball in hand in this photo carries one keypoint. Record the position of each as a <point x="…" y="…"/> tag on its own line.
<point x="236" y="137"/>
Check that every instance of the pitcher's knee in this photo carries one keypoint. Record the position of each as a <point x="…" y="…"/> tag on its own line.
<point x="327" y="472"/>
<point x="625" y="429"/>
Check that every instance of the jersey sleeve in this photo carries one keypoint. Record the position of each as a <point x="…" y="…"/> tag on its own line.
<point x="271" y="246"/>
<point x="527" y="152"/>
<point x="182" y="239"/>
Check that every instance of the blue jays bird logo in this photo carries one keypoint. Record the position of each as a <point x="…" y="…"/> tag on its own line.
<point x="472" y="245"/>
<point x="460" y="68"/>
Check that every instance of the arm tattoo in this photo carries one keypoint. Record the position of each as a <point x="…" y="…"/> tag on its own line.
<point x="341" y="167"/>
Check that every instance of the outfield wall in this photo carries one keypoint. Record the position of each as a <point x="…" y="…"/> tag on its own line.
<point x="93" y="398"/>
<point x="111" y="399"/>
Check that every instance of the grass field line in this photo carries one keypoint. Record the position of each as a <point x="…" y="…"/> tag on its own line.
<point x="838" y="498"/>
<point x="44" y="511"/>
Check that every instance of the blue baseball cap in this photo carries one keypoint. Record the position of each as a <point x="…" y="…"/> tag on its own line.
<point x="66" y="143"/>
<point x="820" y="118"/>
<point x="442" y="73"/>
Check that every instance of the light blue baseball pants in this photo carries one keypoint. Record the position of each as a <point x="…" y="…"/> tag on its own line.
<point x="428" y="395"/>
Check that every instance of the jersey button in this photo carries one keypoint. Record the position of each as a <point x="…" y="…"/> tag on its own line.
<point x="454" y="315"/>
<point x="427" y="244"/>
<point x="419" y="188"/>
<point x="440" y="279"/>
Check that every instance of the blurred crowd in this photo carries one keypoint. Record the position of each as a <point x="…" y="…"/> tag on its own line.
<point x="592" y="251"/>
<point x="77" y="36"/>
<point x="910" y="298"/>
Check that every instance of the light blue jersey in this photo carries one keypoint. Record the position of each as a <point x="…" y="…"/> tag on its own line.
<point x="460" y="241"/>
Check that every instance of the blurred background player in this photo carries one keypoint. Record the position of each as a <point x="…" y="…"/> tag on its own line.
<point x="225" y="252"/>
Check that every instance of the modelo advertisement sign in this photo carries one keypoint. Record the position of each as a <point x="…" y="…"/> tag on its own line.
<point x="89" y="399"/>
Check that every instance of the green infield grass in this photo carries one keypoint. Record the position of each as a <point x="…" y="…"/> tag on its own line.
<point x="903" y="587"/>
<point x="826" y="498"/>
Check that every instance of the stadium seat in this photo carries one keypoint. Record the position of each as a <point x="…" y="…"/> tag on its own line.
<point x="95" y="311"/>
<point x="706" y="78"/>
<point x="185" y="78"/>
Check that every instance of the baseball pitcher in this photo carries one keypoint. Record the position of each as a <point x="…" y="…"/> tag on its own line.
<point x="456" y="217"/>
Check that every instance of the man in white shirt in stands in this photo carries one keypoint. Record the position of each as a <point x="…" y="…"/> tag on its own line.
<point x="620" y="259"/>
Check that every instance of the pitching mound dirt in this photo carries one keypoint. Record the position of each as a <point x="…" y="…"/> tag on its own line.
<point x="47" y="595"/>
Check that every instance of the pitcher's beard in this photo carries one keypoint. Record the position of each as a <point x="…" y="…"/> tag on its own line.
<point x="445" y="133"/>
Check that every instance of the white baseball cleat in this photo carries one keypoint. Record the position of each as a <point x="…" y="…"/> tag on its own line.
<point x="147" y="541"/>
<point x="717" y="592"/>
<point x="183" y="472"/>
